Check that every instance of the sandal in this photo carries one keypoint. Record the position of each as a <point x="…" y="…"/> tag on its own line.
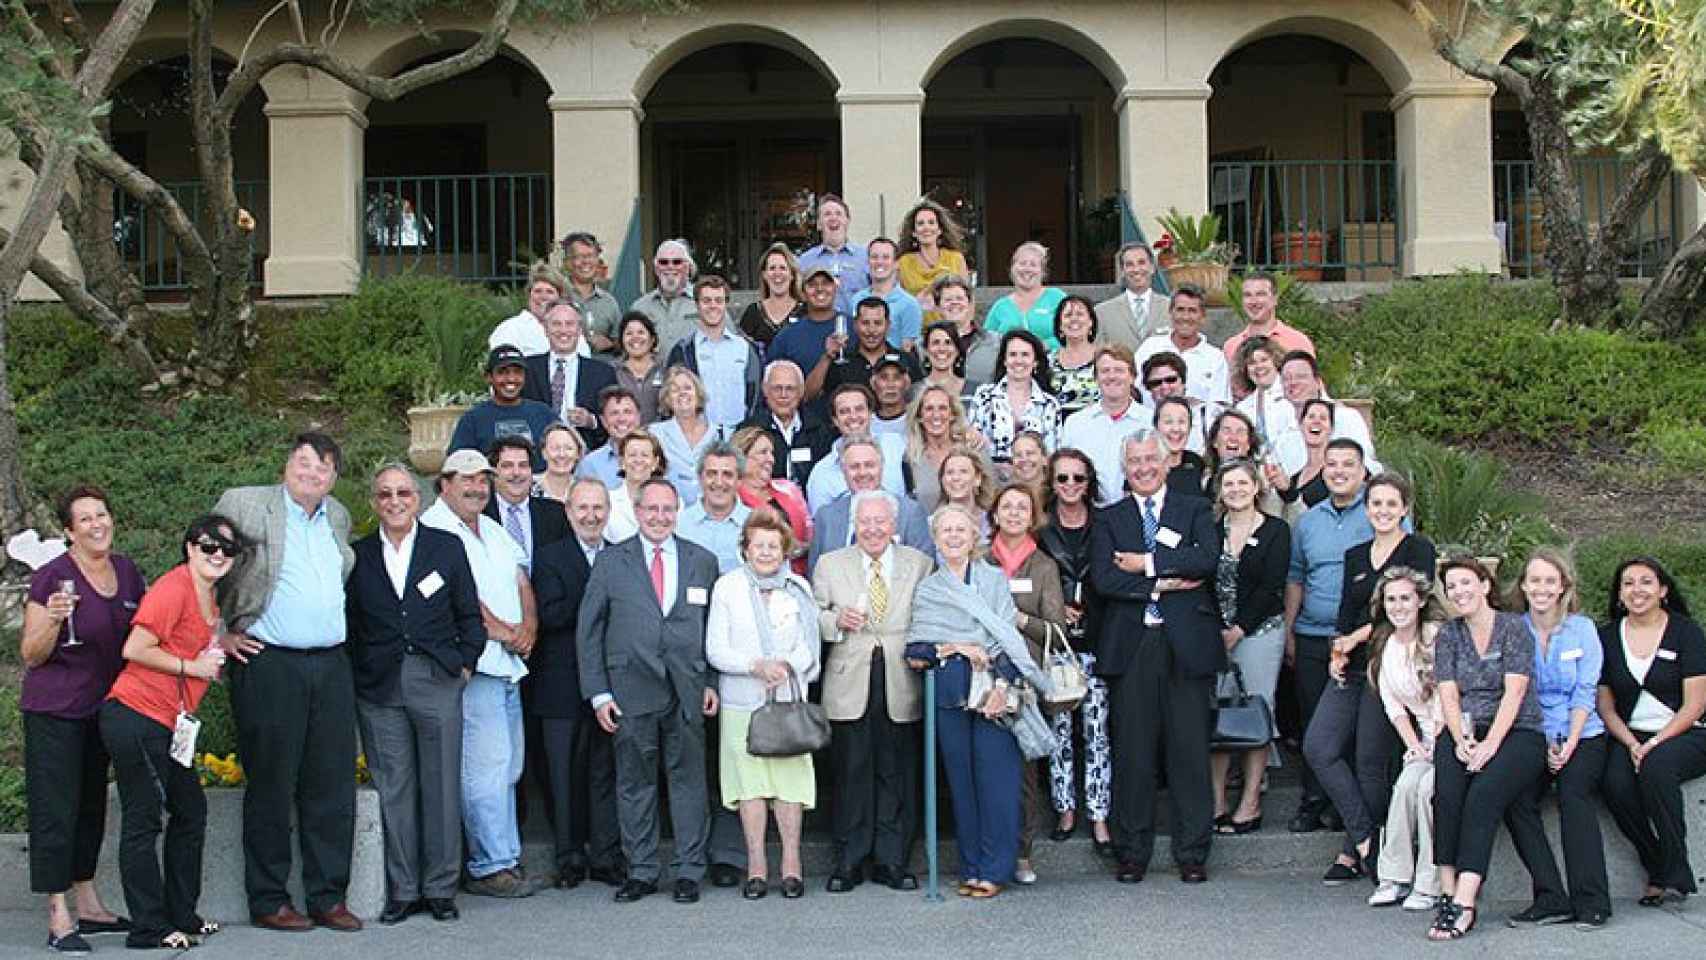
<point x="967" y="888"/>
<point x="1223" y="823"/>
<point x="1652" y="898"/>
<point x="755" y="888"/>
<point x="1445" y="922"/>
<point x="985" y="889"/>
<point x="207" y="928"/>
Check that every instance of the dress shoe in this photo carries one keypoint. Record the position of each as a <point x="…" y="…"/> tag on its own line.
<point x="1130" y="871"/>
<point x="633" y="890"/>
<point x="338" y="918"/>
<point x="396" y="911"/>
<point x="443" y="908"/>
<point x="1332" y="821"/>
<point x="894" y="878"/>
<point x="609" y="876"/>
<point x="284" y="919"/>
<point x="1539" y="915"/>
<point x="841" y="882"/>
<point x="574" y="869"/>
<point x="566" y="880"/>
<point x="793" y="888"/>
<point x="1591" y="921"/>
<point x="505" y="884"/>
<point x="1307" y="820"/>
<point x="686" y="891"/>
<point x="723" y="875"/>
<point x="1193" y="873"/>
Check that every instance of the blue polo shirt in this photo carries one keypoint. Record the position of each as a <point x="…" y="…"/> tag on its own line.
<point x="1318" y="545"/>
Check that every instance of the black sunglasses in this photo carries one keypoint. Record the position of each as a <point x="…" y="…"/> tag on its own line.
<point x="1071" y="477"/>
<point x="1160" y="382"/>
<point x="210" y="547"/>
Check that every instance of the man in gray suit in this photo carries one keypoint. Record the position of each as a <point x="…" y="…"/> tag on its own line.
<point x="292" y="691"/>
<point x="1137" y="312"/>
<point x="642" y="666"/>
<point x="862" y="465"/>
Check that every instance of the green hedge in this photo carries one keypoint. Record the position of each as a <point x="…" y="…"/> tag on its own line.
<point x="1467" y="358"/>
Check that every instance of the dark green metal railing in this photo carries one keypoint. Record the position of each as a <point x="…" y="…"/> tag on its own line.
<point x="627" y="280"/>
<point x="1518" y="217"/>
<point x="148" y="248"/>
<point x="487" y="228"/>
<point x="1318" y="219"/>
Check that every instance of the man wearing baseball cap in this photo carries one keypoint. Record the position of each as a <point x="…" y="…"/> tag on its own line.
<point x="813" y="341"/>
<point x="492" y="739"/>
<point x="506" y="414"/>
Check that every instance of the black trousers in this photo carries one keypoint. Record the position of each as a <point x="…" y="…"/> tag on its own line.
<point x="150" y="783"/>
<point x="1161" y="716"/>
<point x="595" y="824"/>
<point x="1468" y="806"/>
<point x="1309" y="674"/>
<point x="1648" y="805"/>
<point x="876" y="783"/>
<point x="1584" y="848"/>
<point x="65" y="785"/>
<point x="295" y="713"/>
<point x="1350" y="724"/>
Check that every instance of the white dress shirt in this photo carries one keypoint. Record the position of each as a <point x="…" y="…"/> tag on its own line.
<point x="496" y="560"/>
<point x="1101" y="437"/>
<point x="397" y="558"/>
<point x="1205" y="366"/>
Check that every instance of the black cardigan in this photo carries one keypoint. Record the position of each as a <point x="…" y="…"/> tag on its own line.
<point x="1356" y="596"/>
<point x="1261" y="574"/>
<point x="1074" y="570"/>
<point x="1664" y="681"/>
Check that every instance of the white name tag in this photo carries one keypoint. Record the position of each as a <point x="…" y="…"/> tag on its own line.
<point x="696" y="596"/>
<point x="430" y="584"/>
<point x="1022" y="585"/>
<point x="800" y="454"/>
<point x="1252" y="541"/>
<point x="1664" y="654"/>
<point x="1575" y="654"/>
<point x="1167" y="538"/>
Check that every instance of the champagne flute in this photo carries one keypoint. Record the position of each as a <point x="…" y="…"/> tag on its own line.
<point x="841" y="331"/>
<point x="68" y="590"/>
<point x="1468" y="730"/>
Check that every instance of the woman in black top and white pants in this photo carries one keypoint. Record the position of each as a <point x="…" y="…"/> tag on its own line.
<point x="1652" y="695"/>
<point x="1250" y="585"/>
<point x="1484" y="666"/>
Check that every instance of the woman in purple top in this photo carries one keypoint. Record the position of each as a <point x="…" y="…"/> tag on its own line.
<point x="71" y="648"/>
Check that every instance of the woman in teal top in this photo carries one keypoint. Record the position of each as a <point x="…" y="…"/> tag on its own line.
<point x="1031" y="305"/>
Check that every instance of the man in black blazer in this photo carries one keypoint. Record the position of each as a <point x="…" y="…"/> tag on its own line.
<point x="536" y="521"/>
<point x="1152" y="559"/>
<point x="800" y="438"/>
<point x="641" y="643"/>
<point x="415" y="634"/>
<point x="567" y="383"/>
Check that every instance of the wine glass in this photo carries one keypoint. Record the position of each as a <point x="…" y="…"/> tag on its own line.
<point x="841" y="331"/>
<point x="68" y="589"/>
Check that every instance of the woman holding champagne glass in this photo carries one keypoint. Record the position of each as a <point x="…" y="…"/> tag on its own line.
<point x="75" y="622"/>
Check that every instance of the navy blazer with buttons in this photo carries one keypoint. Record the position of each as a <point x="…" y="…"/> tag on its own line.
<point x="1191" y="619"/>
<point x="383" y="628"/>
<point x="552" y="686"/>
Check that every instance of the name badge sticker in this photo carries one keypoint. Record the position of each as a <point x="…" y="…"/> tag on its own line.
<point x="696" y="596"/>
<point x="1664" y="654"/>
<point x="1575" y="654"/>
<point x="430" y="584"/>
<point x="1022" y="585"/>
<point x="1167" y="537"/>
<point x="800" y="454"/>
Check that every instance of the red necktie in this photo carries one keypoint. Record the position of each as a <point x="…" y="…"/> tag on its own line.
<point x="657" y="573"/>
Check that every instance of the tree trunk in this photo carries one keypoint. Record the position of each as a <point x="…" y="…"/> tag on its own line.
<point x="14" y="499"/>
<point x="1676" y="301"/>
<point x="1587" y="291"/>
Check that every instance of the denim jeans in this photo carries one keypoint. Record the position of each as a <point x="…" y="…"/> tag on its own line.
<point x="492" y="755"/>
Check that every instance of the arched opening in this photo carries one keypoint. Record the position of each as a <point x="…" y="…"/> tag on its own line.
<point x="739" y="140"/>
<point x="1020" y="143"/>
<point x="458" y="175"/>
<point x="1303" y="159"/>
<point x="151" y="128"/>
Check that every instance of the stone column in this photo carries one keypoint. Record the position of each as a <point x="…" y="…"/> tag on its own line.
<point x="595" y="172"/>
<point x="1445" y="171"/>
<point x="1690" y="208"/>
<point x="1164" y="150"/>
<point x="16" y="182"/>
<point x="315" y="165"/>
<point x="882" y="165"/>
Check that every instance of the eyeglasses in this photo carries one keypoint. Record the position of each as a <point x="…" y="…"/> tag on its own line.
<point x="672" y="262"/>
<point x="1161" y="382"/>
<point x="1071" y="478"/>
<point x="210" y="547"/>
<point x="385" y="496"/>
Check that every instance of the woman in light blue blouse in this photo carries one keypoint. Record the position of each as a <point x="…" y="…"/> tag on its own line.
<point x="685" y="433"/>
<point x="1031" y="305"/>
<point x="1021" y="398"/>
<point x="1567" y="660"/>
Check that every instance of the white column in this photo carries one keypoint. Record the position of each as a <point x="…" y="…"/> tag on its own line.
<point x="1164" y="150"/>
<point x="1445" y="170"/>
<point x="595" y="173"/>
<point x="315" y="168"/>
<point x="882" y="160"/>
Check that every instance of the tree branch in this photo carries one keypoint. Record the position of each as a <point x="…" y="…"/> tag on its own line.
<point x="1652" y="167"/>
<point x="101" y="158"/>
<point x="77" y="296"/>
<point x="243" y="81"/>
<point x="32" y="31"/>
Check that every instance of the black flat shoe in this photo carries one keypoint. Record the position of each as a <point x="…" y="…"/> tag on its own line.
<point x="117" y="924"/>
<point x="1104" y="848"/>
<point x="443" y="909"/>
<point x="793" y="888"/>
<point x="1060" y="836"/>
<point x="1223" y="823"/>
<point x="72" y="944"/>
<point x="686" y="891"/>
<point x="755" y="888"/>
<point x="633" y="890"/>
<point x="840" y="882"/>
<point x="396" y="911"/>
<point x="1241" y="827"/>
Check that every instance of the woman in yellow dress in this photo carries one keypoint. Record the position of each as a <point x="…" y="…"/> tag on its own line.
<point x="930" y="243"/>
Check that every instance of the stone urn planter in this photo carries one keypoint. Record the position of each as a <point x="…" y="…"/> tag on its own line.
<point x="1210" y="277"/>
<point x="429" y="434"/>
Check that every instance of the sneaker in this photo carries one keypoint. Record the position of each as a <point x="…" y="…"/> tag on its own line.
<point x="1339" y="874"/>
<point x="506" y="884"/>
<point x="1388" y="893"/>
<point x="1419" y="902"/>
<point x="1589" y="922"/>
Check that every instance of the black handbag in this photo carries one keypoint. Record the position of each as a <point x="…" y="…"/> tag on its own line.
<point x="787" y="728"/>
<point x="1242" y="721"/>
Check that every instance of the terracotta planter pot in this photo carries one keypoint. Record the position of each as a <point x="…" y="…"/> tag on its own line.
<point x="429" y="434"/>
<point x="1296" y="249"/>
<point x="1211" y="277"/>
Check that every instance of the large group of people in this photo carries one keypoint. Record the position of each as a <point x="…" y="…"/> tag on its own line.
<point x="639" y="580"/>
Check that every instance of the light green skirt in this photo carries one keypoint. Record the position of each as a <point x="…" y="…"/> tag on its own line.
<point x="746" y="777"/>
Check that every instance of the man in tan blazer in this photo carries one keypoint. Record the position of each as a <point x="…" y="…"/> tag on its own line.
<point x="1137" y="312"/>
<point x="874" y="702"/>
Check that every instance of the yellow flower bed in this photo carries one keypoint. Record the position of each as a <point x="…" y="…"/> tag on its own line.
<point x="217" y="771"/>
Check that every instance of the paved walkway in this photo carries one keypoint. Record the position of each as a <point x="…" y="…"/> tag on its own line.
<point x="1269" y="915"/>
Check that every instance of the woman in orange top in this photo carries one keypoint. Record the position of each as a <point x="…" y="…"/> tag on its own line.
<point x="170" y="657"/>
<point x="931" y="244"/>
<point x="759" y="489"/>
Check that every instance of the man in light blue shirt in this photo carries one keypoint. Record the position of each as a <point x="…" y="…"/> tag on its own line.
<point x="726" y="362"/>
<point x="851" y="408"/>
<point x="845" y="261"/>
<point x="715" y="521"/>
<point x="906" y="318"/>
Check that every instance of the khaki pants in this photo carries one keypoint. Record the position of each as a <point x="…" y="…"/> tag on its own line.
<point x="1410" y="826"/>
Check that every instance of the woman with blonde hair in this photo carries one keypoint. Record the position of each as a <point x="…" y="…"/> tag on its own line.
<point x="967" y="480"/>
<point x="563" y="449"/>
<point x="936" y="425"/>
<point x="641" y="458"/>
<point x="686" y="432"/>
<point x="1031" y="306"/>
<point x="526" y="330"/>
<point x="779" y="297"/>
<point x="930" y="248"/>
